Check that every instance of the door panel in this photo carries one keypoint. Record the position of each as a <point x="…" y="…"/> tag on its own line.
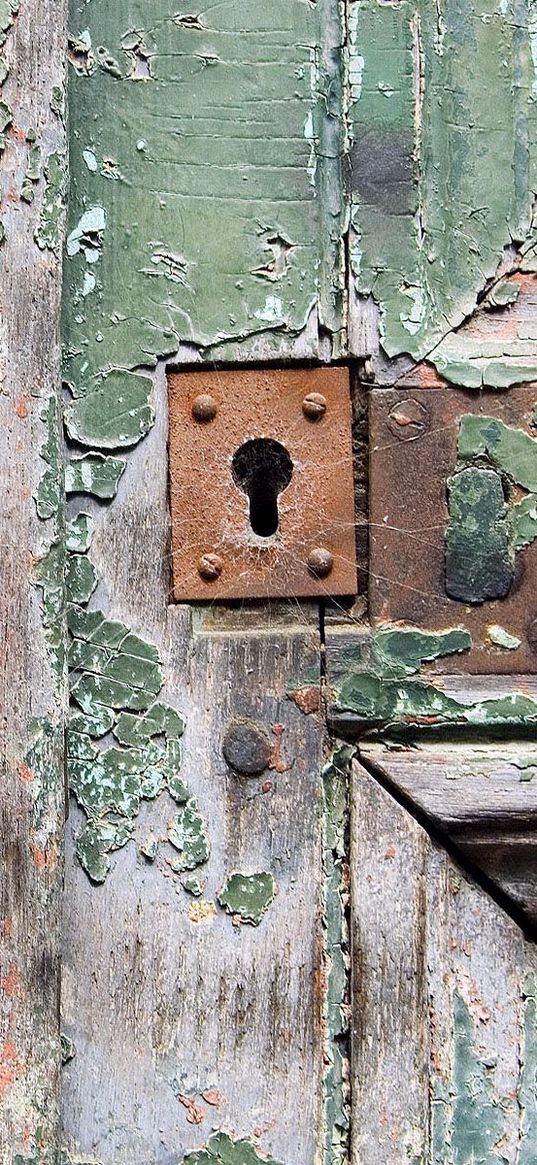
<point x="444" y="1020"/>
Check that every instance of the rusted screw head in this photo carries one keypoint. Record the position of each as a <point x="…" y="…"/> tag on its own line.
<point x="314" y="406"/>
<point x="210" y="567"/>
<point x="204" y="407"/>
<point x="320" y="562"/>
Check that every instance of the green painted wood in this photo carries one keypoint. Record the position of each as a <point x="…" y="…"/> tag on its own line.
<point x="442" y="126"/>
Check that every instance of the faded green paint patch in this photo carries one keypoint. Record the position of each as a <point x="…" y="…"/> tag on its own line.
<point x="117" y="412"/>
<point x="49" y="230"/>
<point x="79" y="533"/>
<point x="479" y="549"/>
<point x="527" y="1089"/>
<point x="94" y="474"/>
<point x="68" y="1049"/>
<point x="222" y="1150"/>
<point x="115" y="680"/>
<point x="188" y="834"/>
<point x="502" y="638"/>
<point x="478" y="1119"/>
<point x="443" y="165"/>
<point x="372" y="693"/>
<point x="335" y="792"/>
<point x="248" y="896"/>
<point x="510" y="450"/>
<point x="220" y="216"/>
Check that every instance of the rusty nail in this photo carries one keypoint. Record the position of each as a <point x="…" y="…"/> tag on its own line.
<point x="314" y="406"/>
<point x="320" y="562"/>
<point x="210" y="567"/>
<point x="204" y="407"/>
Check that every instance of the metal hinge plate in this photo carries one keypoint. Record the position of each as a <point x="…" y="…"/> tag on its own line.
<point x="261" y="484"/>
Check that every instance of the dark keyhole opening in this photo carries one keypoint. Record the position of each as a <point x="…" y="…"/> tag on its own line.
<point x="262" y="468"/>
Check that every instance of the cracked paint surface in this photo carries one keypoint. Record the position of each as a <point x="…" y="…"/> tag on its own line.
<point x="247" y="896"/>
<point x="209" y="185"/>
<point x="221" y="1149"/>
<point x="336" y="1003"/>
<point x="384" y="683"/>
<point x="467" y="1113"/>
<point x="442" y="164"/>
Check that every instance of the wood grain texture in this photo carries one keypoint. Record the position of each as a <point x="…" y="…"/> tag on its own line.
<point x="158" y="1004"/>
<point x="441" y="1026"/>
<point x="482" y="797"/>
<point x="31" y="799"/>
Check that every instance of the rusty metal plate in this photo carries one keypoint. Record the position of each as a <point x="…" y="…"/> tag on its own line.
<point x="261" y="484"/>
<point x="415" y="453"/>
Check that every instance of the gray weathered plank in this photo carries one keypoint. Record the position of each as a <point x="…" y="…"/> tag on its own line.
<point x="440" y="1020"/>
<point x="32" y="783"/>
<point x="163" y="995"/>
<point x="482" y="796"/>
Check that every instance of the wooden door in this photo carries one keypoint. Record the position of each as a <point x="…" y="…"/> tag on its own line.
<point x="298" y="871"/>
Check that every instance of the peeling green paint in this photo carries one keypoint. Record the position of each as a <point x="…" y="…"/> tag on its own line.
<point x="374" y="692"/>
<point x="202" y="192"/>
<point x="188" y="834"/>
<point x="247" y="895"/>
<point x="68" y="1049"/>
<point x="488" y="527"/>
<point x="49" y="230"/>
<point x="443" y="165"/>
<point x="221" y="1149"/>
<point x="502" y="638"/>
<point x="478" y="1119"/>
<point x="94" y="474"/>
<point x="479" y="549"/>
<point x="117" y="412"/>
<point x="527" y="1090"/>
<point x="335" y="791"/>
<point x="115" y="680"/>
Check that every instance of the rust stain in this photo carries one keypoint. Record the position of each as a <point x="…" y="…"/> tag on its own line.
<point x="11" y="983"/>
<point x="24" y="772"/>
<point x="45" y="859"/>
<point x="308" y="700"/>
<point x="277" y="762"/>
<point x="21" y="408"/>
<point x="391" y="852"/>
<point x="195" y="1113"/>
<point x="213" y="1098"/>
<point x="10" y="1067"/>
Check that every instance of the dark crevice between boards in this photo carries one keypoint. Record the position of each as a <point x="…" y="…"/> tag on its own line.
<point x="441" y="838"/>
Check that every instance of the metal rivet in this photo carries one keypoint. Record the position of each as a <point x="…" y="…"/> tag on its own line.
<point x="314" y="406"/>
<point x="247" y="747"/>
<point x="204" y="407"/>
<point x="320" y="562"/>
<point x="210" y="567"/>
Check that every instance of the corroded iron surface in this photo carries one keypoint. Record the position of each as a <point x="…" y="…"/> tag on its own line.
<point x="454" y="521"/>
<point x="261" y="457"/>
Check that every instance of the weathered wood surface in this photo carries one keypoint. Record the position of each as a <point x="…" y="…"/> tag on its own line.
<point x="163" y="996"/>
<point x="444" y="1021"/>
<point x="482" y="797"/>
<point x="32" y="771"/>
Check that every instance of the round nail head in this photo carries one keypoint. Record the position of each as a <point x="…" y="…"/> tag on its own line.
<point x="210" y="567"/>
<point x="320" y="562"/>
<point x="314" y="406"/>
<point x="247" y="747"/>
<point x="204" y="407"/>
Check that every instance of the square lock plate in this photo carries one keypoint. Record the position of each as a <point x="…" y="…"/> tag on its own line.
<point x="261" y="484"/>
<point x="453" y="543"/>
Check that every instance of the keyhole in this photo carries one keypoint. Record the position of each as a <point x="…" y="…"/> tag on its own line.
<point x="262" y="468"/>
